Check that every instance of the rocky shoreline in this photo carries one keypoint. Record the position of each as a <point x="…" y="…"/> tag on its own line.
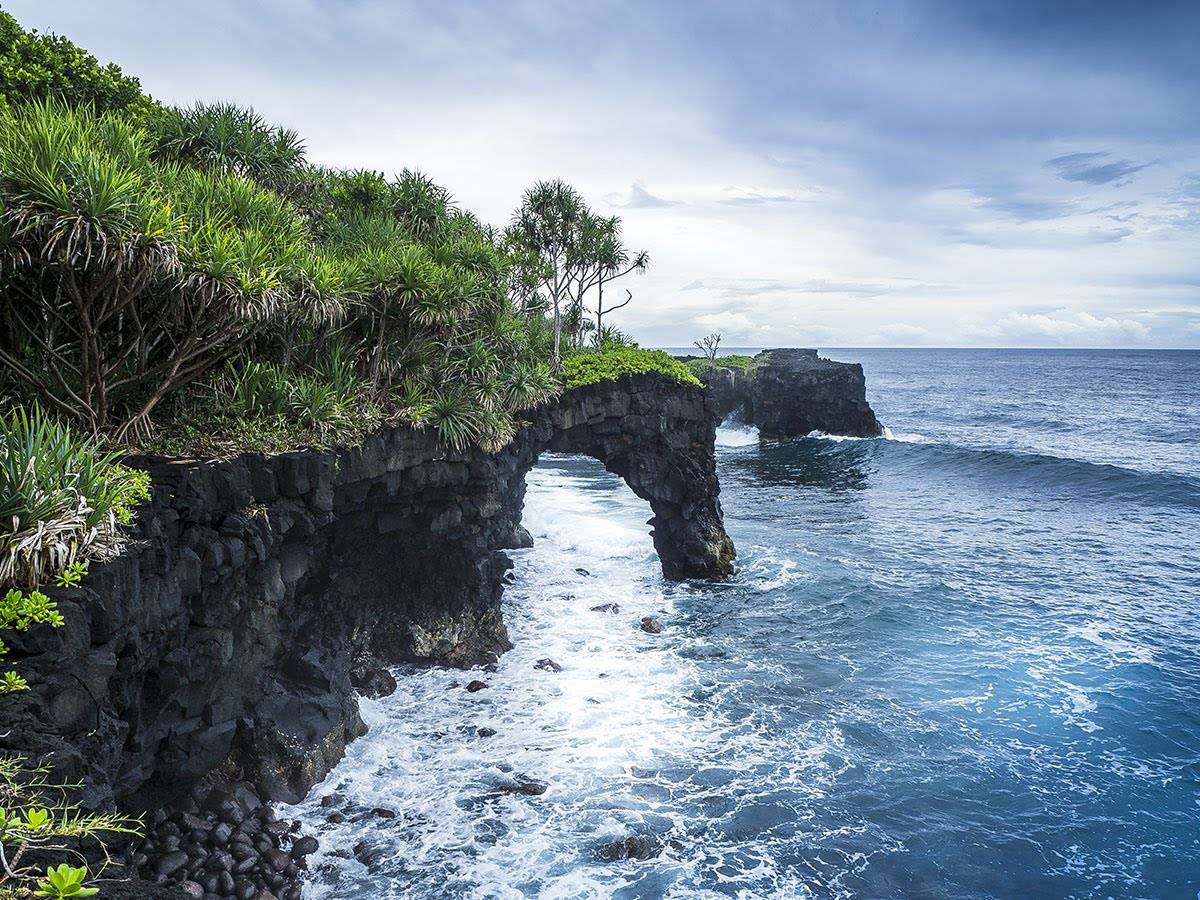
<point x="224" y="842"/>
<point x="214" y="667"/>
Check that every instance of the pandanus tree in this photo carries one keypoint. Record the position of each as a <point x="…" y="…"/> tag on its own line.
<point x="430" y="308"/>
<point x="123" y="278"/>
<point x="549" y="225"/>
<point x="564" y="251"/>
<point x="229" y="138"/>
<point x="137" y="261"/>
<point x="603" y="258"/>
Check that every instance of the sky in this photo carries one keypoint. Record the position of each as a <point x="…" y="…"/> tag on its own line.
<point x="826" y="174"/>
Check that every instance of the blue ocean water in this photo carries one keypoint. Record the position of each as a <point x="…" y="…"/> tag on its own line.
<point x="959" y="662"/>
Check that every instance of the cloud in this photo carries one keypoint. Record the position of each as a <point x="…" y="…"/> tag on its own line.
<point x="1030" y="209"/>
<point x="1092" y="168"/>
<point x="1066" y="329"/>
<point x="900" y="333"/>
<point x="733" y="196"/>
<point x="756" y="287"/>
<point x="640" y="198"/>
<point x="732" y="323"/>
<point x="886" y="211"/>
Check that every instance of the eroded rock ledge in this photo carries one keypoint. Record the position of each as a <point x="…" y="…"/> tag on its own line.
<point x="225" y="642"/>
<point x="790" y="393"/>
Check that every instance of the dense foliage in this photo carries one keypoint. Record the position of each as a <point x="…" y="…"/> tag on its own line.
<point x="133" y="274"/>
<point x="62" y="500"/>
<point x="42" y="66"/>
<point x="590" y="368"/>
<point x="179" y="279"/>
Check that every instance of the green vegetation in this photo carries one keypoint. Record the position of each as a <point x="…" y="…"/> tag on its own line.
<point x="42" y="66"/>
<point x="62" y="500"/>
<point x="186" y="281"/>
<point x="19" y="612"/>
<point x="171" y="279"/>
<point x="732" y="361"/>
<point x="591" y="368"/>
<point x="562" y="252"/>
<point x="38" y="818"/>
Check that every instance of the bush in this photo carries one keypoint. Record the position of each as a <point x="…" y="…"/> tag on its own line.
<point x="127" y="279"/>
<point x="45" y="66"/>
<point x="721" y="362"/>
<point x="230" y="139"/>
<point x="37" y="819"/>
<point x="62" y="500"/>
<point x="591" y="368"/>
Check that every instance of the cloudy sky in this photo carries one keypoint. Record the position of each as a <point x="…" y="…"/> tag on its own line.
<point x="831" y="174"/>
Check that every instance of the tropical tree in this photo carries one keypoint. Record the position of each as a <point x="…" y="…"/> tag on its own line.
<point x="549" y="223"/>
<point x="604" y="258"/>
<point x="125" y="279"/>
<point x="565" y="251"/>
<point x="46" y="66"/>
<point x="229" y="138"/>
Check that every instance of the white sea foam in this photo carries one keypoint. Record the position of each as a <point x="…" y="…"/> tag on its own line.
<point x="622" y="737"/>
<point x="904" y="437"/>
<point x="731" y="435"/>
<point x="836" y="438"/>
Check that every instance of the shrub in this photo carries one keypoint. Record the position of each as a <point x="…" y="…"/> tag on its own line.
<point x="128" y="279"/>
<point x="62" y="500"/>
<point x="721" y="362"/>
<point x="231" y="139"/>
<point x="19" y="612"/>
<point x="590" y="368"/>
<point x="37" y="819"/>
<point x="45" y="66"/>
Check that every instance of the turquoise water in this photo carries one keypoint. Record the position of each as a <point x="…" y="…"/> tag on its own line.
<point x="962" y="662"/>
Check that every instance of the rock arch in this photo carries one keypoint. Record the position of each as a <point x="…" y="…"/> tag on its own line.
<point x="657" y="434"/>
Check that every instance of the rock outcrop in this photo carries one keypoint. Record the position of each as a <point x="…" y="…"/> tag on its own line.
<point x="789" y="393"/>
<point x="226" y="640"/>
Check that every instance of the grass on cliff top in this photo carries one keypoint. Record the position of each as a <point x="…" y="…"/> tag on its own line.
<point x="721" y="362"/>
<point x="609" y="365"/>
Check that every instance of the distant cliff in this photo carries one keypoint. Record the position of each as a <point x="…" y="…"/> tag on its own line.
<point x="789" y="393"/>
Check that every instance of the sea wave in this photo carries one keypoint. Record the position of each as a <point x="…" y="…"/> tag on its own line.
<point x="1062" y="474"/>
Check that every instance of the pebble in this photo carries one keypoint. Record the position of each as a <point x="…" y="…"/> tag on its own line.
<point x="224" y="844"/>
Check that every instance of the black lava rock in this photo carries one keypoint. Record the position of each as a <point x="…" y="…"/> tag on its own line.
<point x="651" y="625"/>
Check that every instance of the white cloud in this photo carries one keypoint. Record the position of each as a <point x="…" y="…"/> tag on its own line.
<point x="1080" y="329"/>
<point x="811" y="196"/>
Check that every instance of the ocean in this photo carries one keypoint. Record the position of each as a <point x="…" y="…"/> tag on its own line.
<point x="959" y="661"/>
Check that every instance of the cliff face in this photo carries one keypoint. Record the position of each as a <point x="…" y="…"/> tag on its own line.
<point x="790" y="393"/>
<point x="795" y="392"/>
<point x="228" y="637"/>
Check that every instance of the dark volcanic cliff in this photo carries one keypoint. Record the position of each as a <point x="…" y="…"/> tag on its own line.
<point x="790" y="393"/>
<point x="228" y="637"/>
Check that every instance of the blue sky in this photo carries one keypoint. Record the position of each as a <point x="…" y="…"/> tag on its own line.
<point x="830" y="174"/>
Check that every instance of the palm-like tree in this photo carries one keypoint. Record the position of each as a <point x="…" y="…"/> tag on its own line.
<point x="124" y="278"/>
